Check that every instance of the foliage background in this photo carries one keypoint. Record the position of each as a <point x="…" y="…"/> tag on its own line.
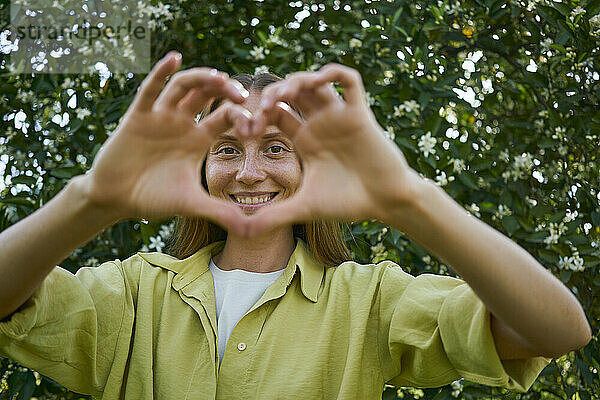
<point x="495" y="100"/>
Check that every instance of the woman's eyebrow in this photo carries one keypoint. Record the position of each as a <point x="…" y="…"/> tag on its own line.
<point x="266" y="136"/>
<point x="273" y="135"/>
<point x="227" y="137"/>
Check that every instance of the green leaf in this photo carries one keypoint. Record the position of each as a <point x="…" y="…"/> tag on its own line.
<point x="24" y="179"/>
<point x="66" y="172"/>
<point x="262" y="36"/>
<point x="28" y="387"/>
<point x="537" y="237"/>
<point x="548" y="256"/>
<point x="430" y="26"/>
<point x="565" y="275"/>
<point x="595" y="218"/>
<point x="397" y="15"/>
<point x="511" y="224"/>
<point x="556" y="217"/>
<point x="467" y="180"/>
<point x="22" y="201"/>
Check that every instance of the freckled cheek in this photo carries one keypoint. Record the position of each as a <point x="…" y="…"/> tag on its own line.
<point x="218" y="176"/>
<point x="290" y="176"/>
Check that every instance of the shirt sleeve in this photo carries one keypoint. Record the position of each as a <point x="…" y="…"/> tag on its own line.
<point x="434" y="330"/>
<point x="69" y="328"/>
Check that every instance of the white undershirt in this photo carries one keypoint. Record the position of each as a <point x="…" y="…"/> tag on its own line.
<point x="236" y="291"/>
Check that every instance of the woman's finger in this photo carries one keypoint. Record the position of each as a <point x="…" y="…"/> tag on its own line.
<point x="281" y="116"/>
<point x="299" y="90"/>
<point x="193" y="103"/>
<point x="222" y="119"/>
<point x="311" y="82"/>
<point x="211" y="81"/>
<point x="349" y="79"/>
<point x="225" y="214"/>
<point x="197" y="99"/>
<point x="293" y="210"/>
<point x="152" y="86"/>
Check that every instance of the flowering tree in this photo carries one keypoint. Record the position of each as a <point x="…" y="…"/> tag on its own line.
<point x="496" y="101"/>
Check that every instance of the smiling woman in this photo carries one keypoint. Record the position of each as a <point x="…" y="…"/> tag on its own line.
<point x="249" y="309"/>
<point x="231" y="154"/>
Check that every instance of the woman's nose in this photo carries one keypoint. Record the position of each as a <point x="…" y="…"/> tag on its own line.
<point x="250" y="170"/>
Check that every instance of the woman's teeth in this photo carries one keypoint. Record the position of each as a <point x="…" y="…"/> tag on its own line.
<point x="253" y="200"/>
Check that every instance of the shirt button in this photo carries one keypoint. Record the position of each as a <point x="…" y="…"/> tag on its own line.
<point x="241" y="346"/>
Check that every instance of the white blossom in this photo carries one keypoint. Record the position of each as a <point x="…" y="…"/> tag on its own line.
<point x="474" y="209"/>
<point x="576" y="262"/>
<point x="25" y="96"/>
<point x="389" y="132"/>
<point x="595" y="25"/>
<point x="92" y="262"/>
<point x="164" y="231"/>
<point x="457" y="388"/>
<point x="370" y="99"/>
<point x="555" y="231"/>
<point x="503" y="211"/>
<point x="161" y="10"/>
<point x="577" y="11"/>
<point x="427" y="144"/>
<point x="82" y="113"/>
<point x="409" y="106"/>
<point x="378" y="252"/>
<point x="277" y="40"/>
<point x="531" y="5"/>
<point x="458" y="164"/>
<point x="522" y="165"/>
<point x="263" y="69"/>
<point x="354" y="43"/>
<point x="258" y="52"/>
<point x="442" y="180"/>
<point x="156" y="243"/>
<point x="573" y="263"/>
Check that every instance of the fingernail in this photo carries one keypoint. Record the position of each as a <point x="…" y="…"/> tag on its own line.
<point x="284" y="105"/>
<point x="240" y="88"/>
<point x="247" y="113"/>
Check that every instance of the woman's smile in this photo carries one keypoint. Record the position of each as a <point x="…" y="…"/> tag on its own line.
<point x="252" y="201"/>
<point x="253" y="171"/>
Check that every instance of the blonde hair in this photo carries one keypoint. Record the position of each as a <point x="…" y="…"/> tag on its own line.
<point x="324" y="238"/>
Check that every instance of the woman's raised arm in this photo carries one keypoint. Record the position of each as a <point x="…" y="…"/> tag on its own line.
<point x="351" y="171"/>
<point x="149" y="167"/>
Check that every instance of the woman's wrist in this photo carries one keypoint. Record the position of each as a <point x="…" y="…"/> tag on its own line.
<point x="404" y="198"/>
<point x="101" y="215"/>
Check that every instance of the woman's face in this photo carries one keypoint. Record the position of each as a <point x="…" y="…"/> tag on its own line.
<point x="253" y="172"/>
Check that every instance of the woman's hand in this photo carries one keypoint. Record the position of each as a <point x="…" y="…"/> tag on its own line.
<point x="350" y="170"/>
<point x="150" y="166"/>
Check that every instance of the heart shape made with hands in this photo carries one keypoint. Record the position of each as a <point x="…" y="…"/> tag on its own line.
<point x="350" y="170"/>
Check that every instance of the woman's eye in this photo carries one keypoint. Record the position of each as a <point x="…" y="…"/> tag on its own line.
<point x="228" y="151"/>
<point x="276" y="149"/>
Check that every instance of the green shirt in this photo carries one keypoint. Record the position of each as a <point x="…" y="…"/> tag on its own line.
<point x="145" y="328"/>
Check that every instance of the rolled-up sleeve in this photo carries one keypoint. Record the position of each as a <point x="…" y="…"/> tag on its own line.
<point x="69" y="328"/>
<point x="434" y="330"/>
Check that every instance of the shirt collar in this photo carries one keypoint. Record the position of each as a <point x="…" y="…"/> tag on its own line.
<point x="189" y="269"/>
